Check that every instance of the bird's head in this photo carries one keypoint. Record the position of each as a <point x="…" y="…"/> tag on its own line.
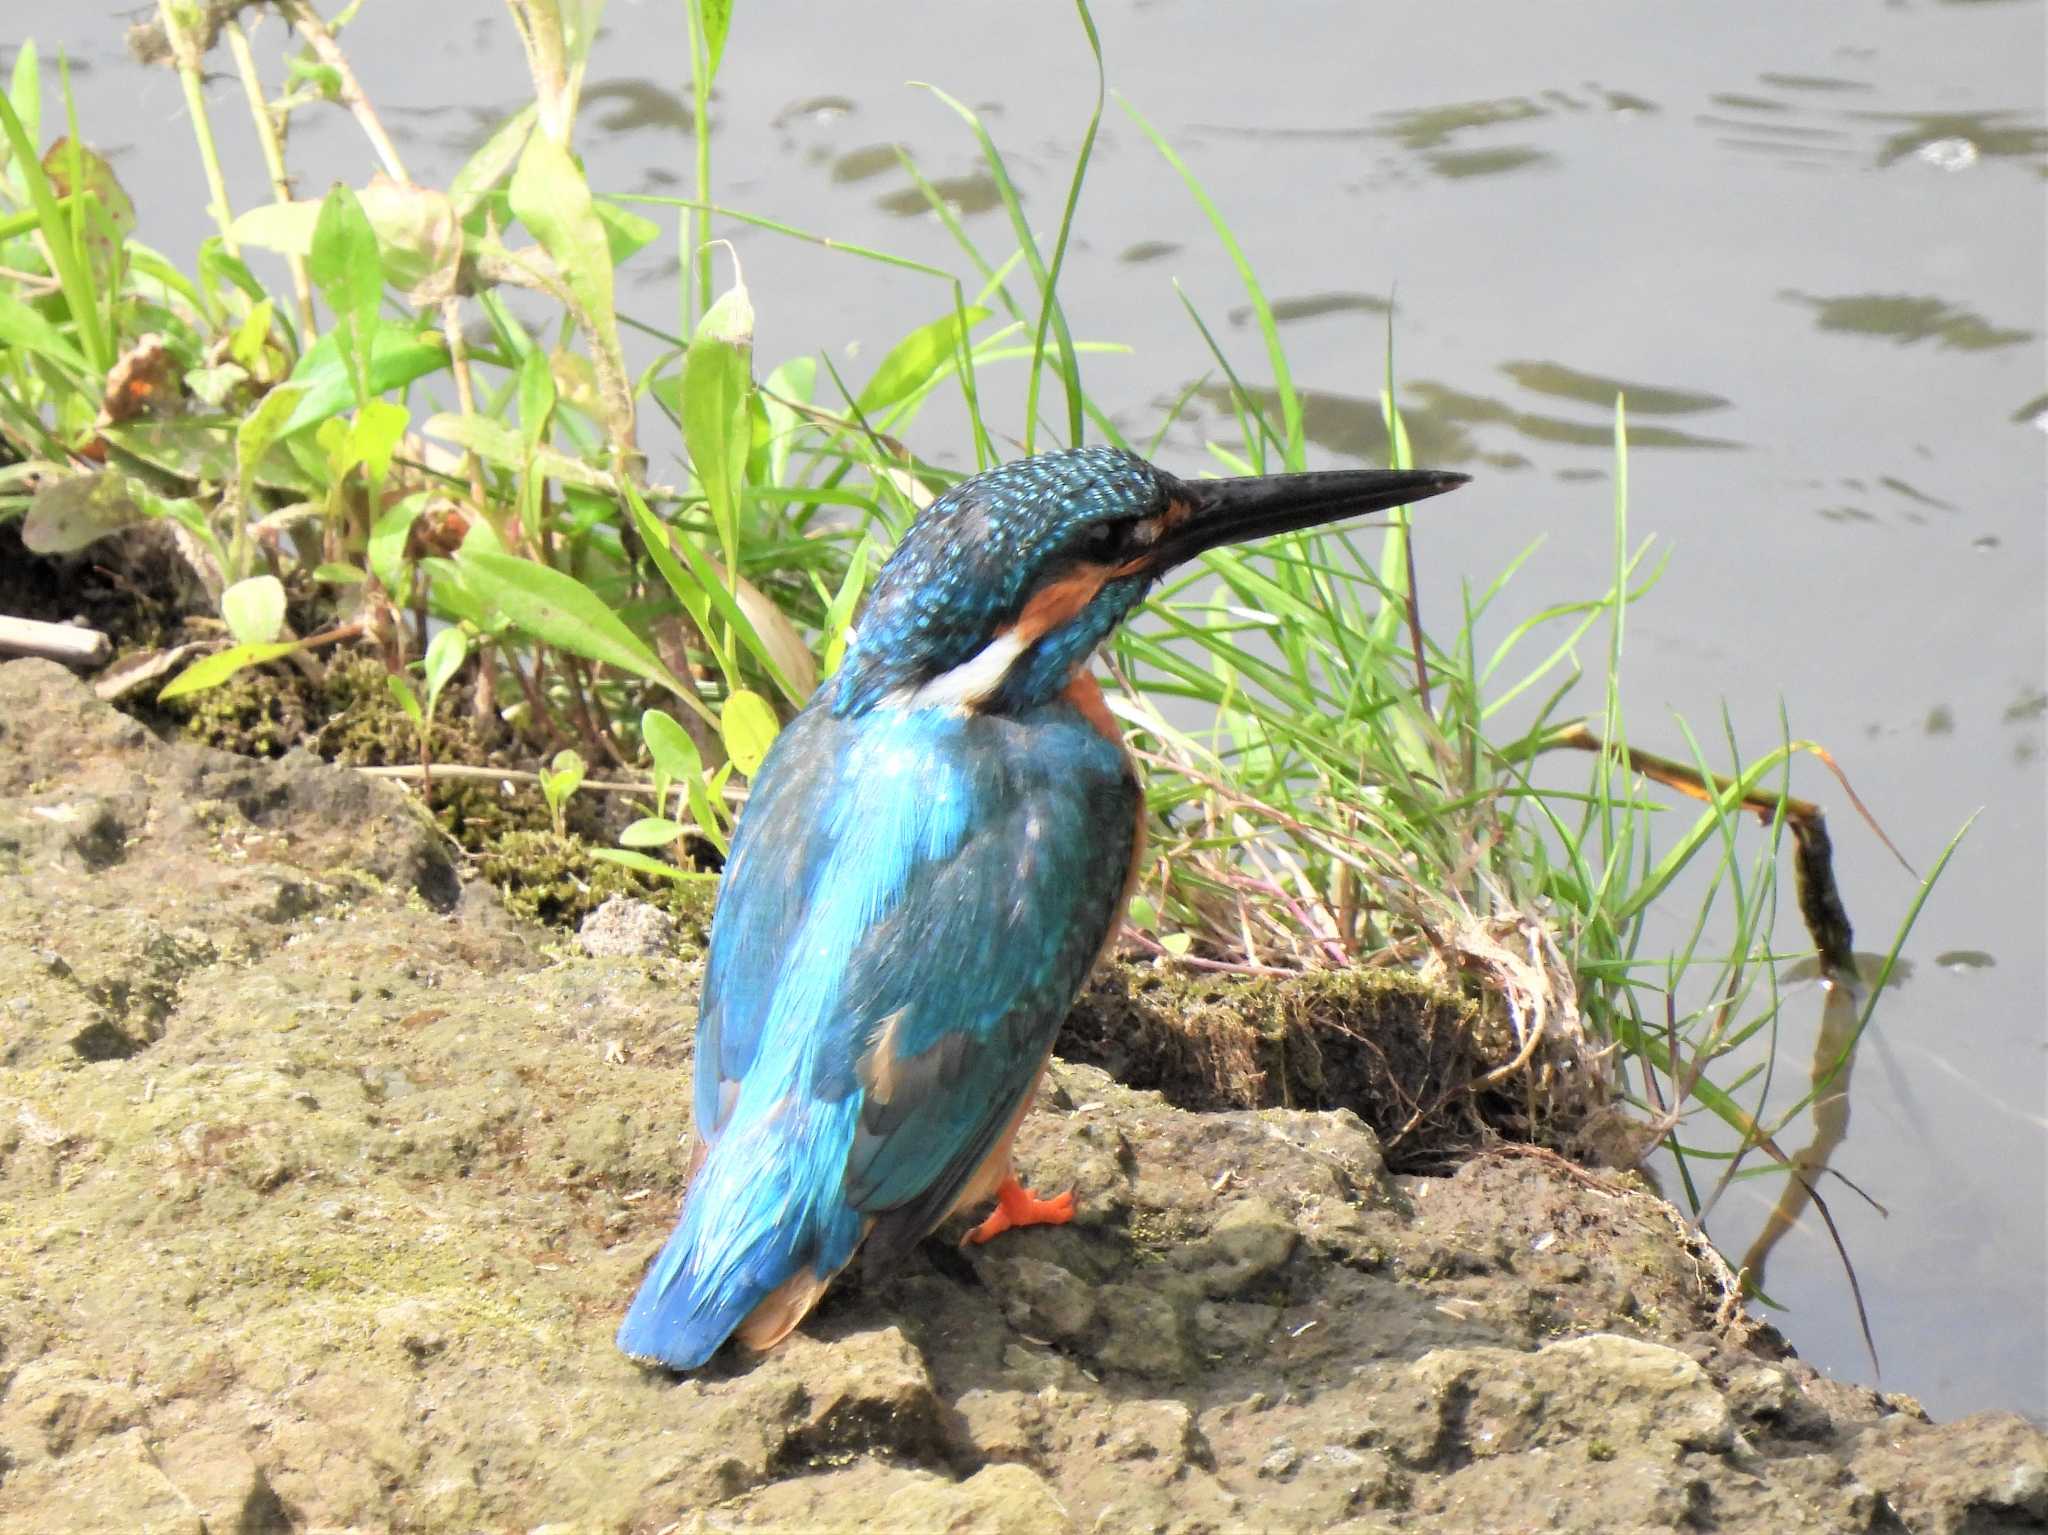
<point x="1005" y="584"/>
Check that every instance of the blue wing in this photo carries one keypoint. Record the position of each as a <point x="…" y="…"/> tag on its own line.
<point x="953" y="875"/>
<point x="912" y="901"/>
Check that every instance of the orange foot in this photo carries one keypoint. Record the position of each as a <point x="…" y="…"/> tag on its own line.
<point x="1018" y="1206"/>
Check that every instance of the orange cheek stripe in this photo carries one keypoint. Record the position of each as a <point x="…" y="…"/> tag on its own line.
<point x="1053" y="605"/>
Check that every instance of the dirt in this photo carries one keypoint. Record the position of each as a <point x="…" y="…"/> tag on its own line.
<point x="324" y="1181"/>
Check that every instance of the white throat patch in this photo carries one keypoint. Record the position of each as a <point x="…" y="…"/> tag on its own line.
<point x="970" y="683"/>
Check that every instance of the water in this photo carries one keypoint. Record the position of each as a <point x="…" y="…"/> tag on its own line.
<point x="1808" y="241"/>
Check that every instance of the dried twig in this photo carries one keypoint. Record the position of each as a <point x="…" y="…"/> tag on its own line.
<point x="54" y="642"/>
<point x="307" y="20"/>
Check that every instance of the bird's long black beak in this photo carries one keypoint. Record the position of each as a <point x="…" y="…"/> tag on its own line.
<point x="1254" y="506"/>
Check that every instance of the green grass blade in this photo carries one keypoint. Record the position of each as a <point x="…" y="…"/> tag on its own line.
<point x="1283" y="380"/>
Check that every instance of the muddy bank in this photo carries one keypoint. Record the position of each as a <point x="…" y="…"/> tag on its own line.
<point x="323" y="1182"/>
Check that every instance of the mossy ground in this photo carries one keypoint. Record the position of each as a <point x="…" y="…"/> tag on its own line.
<point x="1399" y="1050"/>
<point x="344" y="712"/>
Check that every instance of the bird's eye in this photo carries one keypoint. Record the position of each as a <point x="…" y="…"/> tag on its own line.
<point x="1098" y="543"/>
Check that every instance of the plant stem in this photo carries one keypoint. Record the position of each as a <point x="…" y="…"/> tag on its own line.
<point x="700" y="123"/>
<point x="273" y="159"/>
<point x="186" y="50"/>
<point x="302" y="16"/>
<point x="465" y="396"/>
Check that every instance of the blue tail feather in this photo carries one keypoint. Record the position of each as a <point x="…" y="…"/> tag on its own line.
<point x="759" y="1211"/>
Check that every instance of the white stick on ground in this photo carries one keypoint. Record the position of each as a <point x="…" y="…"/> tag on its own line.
<point x="56" y="642"/>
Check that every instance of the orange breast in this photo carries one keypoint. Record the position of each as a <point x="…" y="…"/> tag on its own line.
<point x="1085" y="694"/>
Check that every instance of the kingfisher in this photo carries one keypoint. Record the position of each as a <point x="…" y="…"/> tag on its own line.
<point x="932" y="857"/>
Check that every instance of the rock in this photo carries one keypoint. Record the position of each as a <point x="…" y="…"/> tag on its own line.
<point x="1043" y="1300"/>
<point x="55" y="1406"/>
<point x="114" y="1485"/>
<point x="623" y="928"/>
<point x="1001" y="1425"/>
<point x="996" y="1500"/>
<point x="1142" y="1333"/>
<point x="1250" y="1242"/>
<point x="869" y="1391"/>
<point x="1987" y="1471"/>
<point x="1768" y="1395"/>
<point x="1162" y="1432"/>
<point x="1605" y="1391"/>
<point x="224" y="1483"/>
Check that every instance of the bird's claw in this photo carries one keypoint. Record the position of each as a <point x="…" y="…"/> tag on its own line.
<point x="1018" y="1206"/>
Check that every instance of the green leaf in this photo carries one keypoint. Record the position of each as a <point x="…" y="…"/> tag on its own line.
<point x="674" y="753"/>
<point x="188" y="447"/>
<point x="211" y="671"/>
<point x="489" y="439"/>
<point x="794" y="380"/>
<point x="748" y="725"/>
<point x="25" y="329"/>
<point x="487" y="167"/>
<point x="72" y="274"/>
<point x="398" y="355"/>
<point x="626" y="233"/>
<point x="408" y="700"/>
<point x="717" y="428"/>
<point x="730" y="317"/>
<point x="341" y="256"/>
<point x="550" y="197"/>
<point x="445" y="654"/>
<point x="68" y="515"/>
<point x="374" y="437"/>
<point x="650" y="831"/>
<point x="254" y="609"/>
<point x="343" y="261"/>
<point x="415" y="232"/>
<point x="913" y="360"/>
<point x="641" y="863"/>
<point x="839" y="616"/>
<point x="245" y="346"/>
<point x="1276" y="354"/>
<point x="704" y="809"/>
<point x="536" y="399"/>
<point x="388" y="535"/>
<point x="419" y="238"/>
<point x="702" y="589"/>
<point x="217" y="268"/>
<point x="340" y="575"/>
<point x="109" y="216"/>
<point x="257" y="431"/>
<point x="559" y="781"/>
<point x="25" y="91"/>
<point x="1176" y="944"/>
<point x="557" y="609"/>
<point x="717" y="17"/>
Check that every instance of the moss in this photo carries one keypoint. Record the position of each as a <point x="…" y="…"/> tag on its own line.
<point x="361" y="723"/>
<point x="257" y="713"/>
<point x="1398" y="1050"/>
<point x="558" y="882"/>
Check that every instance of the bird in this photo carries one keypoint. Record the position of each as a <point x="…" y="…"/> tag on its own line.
<point x="932" y="857"/>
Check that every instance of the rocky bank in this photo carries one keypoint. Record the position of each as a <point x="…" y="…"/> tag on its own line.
<point x="323" y="1184"/>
